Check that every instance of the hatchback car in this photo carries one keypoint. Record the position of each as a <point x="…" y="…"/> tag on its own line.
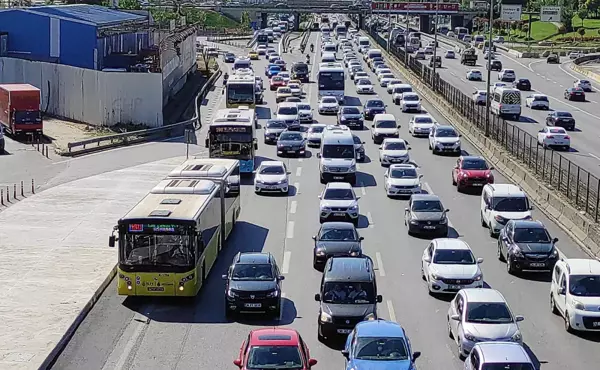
<point x="229" y="57"/>
<point x="253" y="284"/>
<point x="449" y="54"/>
<point x="561" y="119"/>
<point x="471" y="172"/>
<point x="575" y="94"/>
<point x="402" y="180"/>
<point x="272" y="70"/>
<point x="276" y="82"/>
<point x="425" y="214"/>
<point x="268" y="348"/>
<point x="338" y="202"/>
<point x="271" y="176"/>
<point x="305" y="113"/>
<point x="537" y="101"/>
<point x="499" y="355"/>
<point x="553" y="59"/>
<point x="448" y="265"/>
<point x="495" y="65"/>
<point x="480" y="97"/>
<point x="328" y="105"/>
<point x="296" y="89"/>
<point x="336" y="239"/>
<point x="351" y="117"/>
<point x="585" y="85"/>
<point x="291" y="143"/>
<point x="554" y="137"/>
<point x="315" y="134"/>
<point x="522" y="84"/>
<point x="444" y="139"/>
<point x="410" y="102"/>
<point x="393" y="150"/>
<point x="474" y="75"/>
<point x="481" y="315"/>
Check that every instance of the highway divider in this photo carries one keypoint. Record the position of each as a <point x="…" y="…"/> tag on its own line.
<point x="306" y="36"/>
<point x="134" y="137"/>
<point x="562" y="190"/>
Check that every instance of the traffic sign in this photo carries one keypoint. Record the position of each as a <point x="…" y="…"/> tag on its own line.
<point x="550" y="14"/>
<point x="418" y="8"/>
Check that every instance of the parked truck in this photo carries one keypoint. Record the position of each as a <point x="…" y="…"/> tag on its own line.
<point x="20" y="109"/>
<point x="469" y="57"/>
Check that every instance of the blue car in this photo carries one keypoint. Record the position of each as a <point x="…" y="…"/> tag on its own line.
<point x="379" y="345"/>
<point x="272" y="70"/>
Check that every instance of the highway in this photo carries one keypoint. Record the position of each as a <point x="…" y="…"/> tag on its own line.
<point x="144" y="333"/>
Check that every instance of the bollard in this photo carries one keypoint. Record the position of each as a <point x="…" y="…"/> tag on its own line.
<point x="47" y="156"/>
<point x="15" y="191"/>
<point x="1" y="197"/>
<point x="38" y="146"/>
<point x="22" y="189"/>
<point x="7" y="194"/>
<point x="32" y="187"/>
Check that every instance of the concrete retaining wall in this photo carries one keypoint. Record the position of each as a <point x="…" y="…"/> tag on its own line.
<point x="589" y="74"/>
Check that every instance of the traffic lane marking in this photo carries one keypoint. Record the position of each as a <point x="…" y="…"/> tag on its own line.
<point x="290" y="230"/>
<point x="285" y="267"/>
<point x="293" y="206"/>
<point x="298" y="171"/>
<point x="391" y="311"/>
<point x="379" y="264"/>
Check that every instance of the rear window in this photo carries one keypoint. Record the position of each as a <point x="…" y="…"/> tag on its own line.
<point x="564" y="114"/>
<point x="540" y="98"/>
<point x="584" y="81"/>
<point x="557" y="131"/>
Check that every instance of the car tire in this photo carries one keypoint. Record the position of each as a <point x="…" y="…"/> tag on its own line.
<point x="460" y="354"/>
<point x="454" y="182"/>
<point x="322" y="179"/>
<point x="492" y="233"/>
<point x="450" y="335"/>
<point x="568" y="326"/>
<point x="509" y="267"/>
<point x="483" y="223"/>
<point x="553" y="307"/>
<point x="320" y="336"/>
<point x="499" y="253"/>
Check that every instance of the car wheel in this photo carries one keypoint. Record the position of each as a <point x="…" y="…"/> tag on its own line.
<point x="423" y="273"/>
<point x="454" y="181"/>
<point x="492" y="233"/>
<point x="460" y="353"/>
<point x="568" y="326"/>
<point x="320" y="336"/>
<point x="483" y="223"/>
<point x="228" y="313"/>
<point x="499" y="253"/>
<point x="510" y="268"/>
<point x="553" y="308"/>
<point x="450" y="335"/>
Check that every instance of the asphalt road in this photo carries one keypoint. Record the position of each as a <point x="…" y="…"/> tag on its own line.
<point x="548" y="79"/>
<point x="164" y="334"/>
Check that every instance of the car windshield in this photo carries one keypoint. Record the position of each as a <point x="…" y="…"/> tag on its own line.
<point x="474" y="164"/>
<point x="316" y="129"/>
<point x="375" y="104"/>
<point x="230" y="55"/>
<point x="531" y="235"/>
<point x="274" y="357"/>
<point x="285" y="90"/>
<point x="288" y="111"/>
<point x="423" y="120"/>
<point x="453" y="257"/>
<point x="403" y="173"/>
<point x="272" y="170"/>
<point x="510" y="204"/>
<point x="246" y="271"/>
<point x="585" y="82"/>
<point x="488" y="313"/>
<point x="276" y="124"/>
<point x="350" y="110"/>
<point x="386" y="124"/>
<point x="446" y="132"/>
<point x="564" y="115"/>
<point x="304" y="107"/>
<point x="427" y="206"/>
<point x="507" y="366"/>
<point x="291" y="136"/>
<point x="338" y="151"/>
<point x="338" y="194"/>
<point x="395" y="146"/>
<point x="363" y="82"/>
<point x="329" y="234"/>
<point x="410" y="97"/>
<point x="584" y="285"/>
<point x="557" y="131"/>
<point x="381" y="349"/>
<point x="294" y="86"/>
<point x="329" y="100"/>
<point x="540" y="98"/>
<point x="348" y="293"/>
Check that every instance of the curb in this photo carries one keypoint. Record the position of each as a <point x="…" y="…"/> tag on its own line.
<point x="66" y="338"/>
<point x="583" y="231"/>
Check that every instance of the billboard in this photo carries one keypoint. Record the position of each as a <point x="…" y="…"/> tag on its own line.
<point x="550" y="14"/>
<point x="511" y="12"/>
<point x="415" y="8"/>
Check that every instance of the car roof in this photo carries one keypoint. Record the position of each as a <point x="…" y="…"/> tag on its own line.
<point x="403" y="165"/>
<point x="338" y="185"/>
<point x="451" y="243"/>
<point x="535" y="95"/>
<point x="472" y="157"/>
<point x="410" y="93"/>
<point x="583" y="266"/>
<point x="337" y="225"/>
<point x="318" y="125"/>
<point x="384" y="116"/>
<point x="424" y="197"/>
<point x="254" y="257"/>
<point x="379" y="328"/>
<point x="528" y="224"/>
<point x="446" y="127"/>
<point x="393" y="140"/>
<point x="349" y="269"/>
<point x="274" y="337"/>
<point x="272" y="164"/>
<point x="374" y="99"/>
<point x="483" y="295"/>
<point x="506" y="190"/>
<point x="503" y="352"/>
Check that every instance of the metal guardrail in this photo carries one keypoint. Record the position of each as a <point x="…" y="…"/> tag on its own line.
<point x="586" y="58"/>
<point x="578" y="185"/>
<point x="139" y="136"/>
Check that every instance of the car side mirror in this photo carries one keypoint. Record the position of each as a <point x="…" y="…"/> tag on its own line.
<point x="314" y="237"/>
<point x="562" y="290"/>
<point x="406" y="209"/>
<point x="519" y="318"/>
<point x="111" y="241"/>
<point x="447" y="210"/>
<point x="409" y="148"/>
<point x="206" y="142"/>
<point x="362" y="142"/>
<point x="380" y="147"/>
<point x="455" y="317"/>
<point x="416" y="355"/>
<point x="318" y="155"/>
<point x="318" y="297"/>
<point x="224" y="276"/>
<point x="361" y="238"/>
<point x="373" y="125"/>
<point x="357" y="198"/>
<point x="456" y="167"/>
<point x="555" y="240"/>
<point x="379" y="298"/>
<point x="427" y="259"/>
<point x="459" y="135"/>
<point x="281" y="277"/>
<point x="531" y="208"/>
<point x="492" y="168"/>
<point x="312" y="362"/>
<point x="346" y="353"/>
<point x="480" y="260"/>
<point x="237" y="362"/>
<point x="320" y="196"/>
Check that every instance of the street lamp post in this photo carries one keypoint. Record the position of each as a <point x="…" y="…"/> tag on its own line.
<point x="406" y="33"/>
<point x="389" y="39"/>
<point x="435" y="26"/>
<point x="489" y="71"/>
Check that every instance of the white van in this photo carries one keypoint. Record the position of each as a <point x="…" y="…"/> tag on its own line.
<point x="506" y="102"/>
<point x="364" y="42"/>
<point x="337" y="156"/>
<point x="478" y="39"/>
<point x="373" y="53"/>
<point x="329" y="48"/>
<point x="328" y="58"/>
<point x="501" y="203"/>
<point x="242" y="63"/>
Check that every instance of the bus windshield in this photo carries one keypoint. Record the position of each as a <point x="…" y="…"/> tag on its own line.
<point x="331" y="80"/>
<point x="240" y="93"/>
<point x="235" y="145"/>
<point x="157" y="250"/>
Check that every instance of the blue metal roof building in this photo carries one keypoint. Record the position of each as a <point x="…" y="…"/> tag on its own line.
<point x="79" y="35"/>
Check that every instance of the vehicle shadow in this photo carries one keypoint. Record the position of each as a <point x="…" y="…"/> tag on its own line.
<point x="287" y="317"/>
<point x="363" y="222"/>
<point x="204" y="308"/>
<point x="365" y="179"/>
<point x="536" y="361"/>
<point x="542" y="277"/>
<point x="336" y="344"/>
<point x="366" y="160"/>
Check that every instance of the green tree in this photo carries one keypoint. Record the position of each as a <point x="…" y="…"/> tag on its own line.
<point x="245" y="19"/>
<point x="514" y="26"/>
<point x="130" y="4"/>
<point x="567" y="13"/>
<point x="581" y="32"/>
<point x="592" y="6"/>
<point x="582" y="13"/>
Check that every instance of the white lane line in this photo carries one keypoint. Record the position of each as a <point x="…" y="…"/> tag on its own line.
<point x="390" y="307"/>
<point x="561" y="85"/>
<point x="380" y="264"/>
<point x="297" y="186"/>
<point x="140" y="321"/>
<point x="598" y="158"/>
<point x="591" y="101"/>
<point x="428" y="188"/>
<point x="570" y="74"/>
<point x="290" y="230"/>
<point x="555" y="82"/>
<point x="298" y="171"/>
<point x="293" y="206"/>
<point x="538" y="74"/>
<point x="370" y="218"/>
<point x="286" y="262"/>
<point x="300" y="159"/>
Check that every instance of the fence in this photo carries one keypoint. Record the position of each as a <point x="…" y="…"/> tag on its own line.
<point x="85" y="95"/>
<point x="577" y="184"/>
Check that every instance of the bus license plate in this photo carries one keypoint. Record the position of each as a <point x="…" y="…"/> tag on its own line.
<point x="344" y="331"/>
<point x="252" y="305"/>
<point x="338" y="177"/>
<point x="537" y="264"/>
<point x="156" y="288"/>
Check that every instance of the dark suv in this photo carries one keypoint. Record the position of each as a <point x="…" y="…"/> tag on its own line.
<point x="348" y="295"/>
<point x="495" y="65"/>
<point x="527" y="245"/>
<point x="253" y="285"/>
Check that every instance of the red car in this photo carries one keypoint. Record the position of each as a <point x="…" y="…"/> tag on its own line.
<point x="276" y="82"/>
<point x="274" y="348"/>
<point x="471" y="172"/>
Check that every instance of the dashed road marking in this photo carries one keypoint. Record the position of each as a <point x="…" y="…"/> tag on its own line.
<point x="297" y="186"/>
<point x="390" y="307"/>
<point x="286" y="262"/>
<point x="428" y="188"/>
<point x="293" y="206"/>
<point x="298" y="171"/>
<point x="290" y="230"/>
<point x="592" y="155"/>
<point x="380" y="264"/>
<point x="370" y="218"/>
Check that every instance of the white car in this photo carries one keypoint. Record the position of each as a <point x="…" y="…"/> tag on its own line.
<point x="474" y="75"/>
<point x="360" y="75"/>
<point x="364" y="86"/>
<point x="296" y="89"/>
<point x="448" y="265"/>
<point x="391" y="83"/>
<point x="586" y="85"/>
<point x="261" y="49"/>
<point x="410" y="102"/>
<point x="385" y="78"/>
<point x="498" y="40"/>
<point x="449" y="54"/>
<point x="271" y="176"/>
<point x="428" y="50"/>
<point x="398" y="91"/>
<point x="353" y="63"/>
<point x="381" y="70"/>
<point x="507" y="75"/>
<point x="305" y="113"/>
<point x="575" y="55"/>
<point x="480" y="97"/>
<point x="338" y="202"/>
<point x="421" y="125"/>
<point x="315" y="134"/>
<point x="537" y="101"/>
<point x="444" y="139"/>
<point x="489" y="54"/>
<point x="393" y="150"/>
<point x="551" y="136"/>
<point x="285" y="75"/>
<point x="329" y="105"/>
<point x="402" y="180"/>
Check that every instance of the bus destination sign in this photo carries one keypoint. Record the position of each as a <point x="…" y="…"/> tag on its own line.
<point x="232" y="129"/>
<point x="407" y="7"/>
<point x="154" y="228"/>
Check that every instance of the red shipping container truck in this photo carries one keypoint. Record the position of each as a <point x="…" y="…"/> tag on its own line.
<point x="20" y="109"/>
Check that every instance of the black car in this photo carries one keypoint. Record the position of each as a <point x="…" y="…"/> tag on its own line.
<point x="553" y="59"/>
<point x="561" y="119"/>
<point x="575" y="93"/>
<point x="495" y="65"/>
<point x="347" y="296"/>
<point x="336" y="239"/>
<point x="274" y="128"/>
<point x="527" y="245"/>
<point x="425" y="214"/>
<point x="351" y="117"/>
<point x="373" y="107"/>
<point x="522" y="84"/>
<point x="291" y="143"/>
<point x="359" y="148"/>
<point x="229" y="57"/>
<point x="253" y="285"/>
<point x="300" y="71"/>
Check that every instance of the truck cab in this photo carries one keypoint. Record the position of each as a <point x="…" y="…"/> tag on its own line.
<point x="469" y="57"/>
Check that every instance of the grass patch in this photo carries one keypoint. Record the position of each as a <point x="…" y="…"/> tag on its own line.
<point x="216" y="20"/>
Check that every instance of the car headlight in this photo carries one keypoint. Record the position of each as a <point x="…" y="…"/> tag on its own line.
<point x="282" y="181"/>
<point x="554" y="252"/>
<point x="355" y="254"/>
<point x="370" y="317"/>
<point x="320" y="252"/>
<point x="578" y="305"/>
<point x="354" y="207"/>
<point x="231" y="293"/>
<point x="273" y="294"/>
<point x="457" y="142"/>
<point x="470" y="337"/>
<point x="434" y="276"/>
<point x="325" y="317"/>
<point x="258" y="181"/>
<point x="500" y="219"/>
<point x="517" y="252"/>
<point x="517" y="337"/>
<point x="353" y="168"/>
<point x="325" y="168"/>
<point x="444" y="221"/>
<point x="478" y="277"/>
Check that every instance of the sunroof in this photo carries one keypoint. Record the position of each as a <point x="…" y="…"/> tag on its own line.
<point x="274" y="337"/>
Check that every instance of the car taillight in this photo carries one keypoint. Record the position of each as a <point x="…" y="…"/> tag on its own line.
<point x="550" y="137"/>
<point x="567" y="137"/>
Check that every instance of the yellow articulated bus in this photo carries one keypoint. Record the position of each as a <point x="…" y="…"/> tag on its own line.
<point x="170" y="240"/>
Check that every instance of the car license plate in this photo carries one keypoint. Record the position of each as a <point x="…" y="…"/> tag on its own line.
<point x="291" y="151"/>
<point x="338" y="177"/>
<point x="271" y="187"/>
<point x="252" y="305"/>
<point x="454" y="287"/>
<point x="477" y="184"/>
<point x="339" y="214"/>
<point x="344" y="331"/>
<point x="537" y="264"/>
<point x="596" y="324"/>
<point x="429" y="227"/>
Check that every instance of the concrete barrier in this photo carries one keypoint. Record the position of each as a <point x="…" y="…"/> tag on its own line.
<point x="589" y="74"/>
<point x="576" y="224"/>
